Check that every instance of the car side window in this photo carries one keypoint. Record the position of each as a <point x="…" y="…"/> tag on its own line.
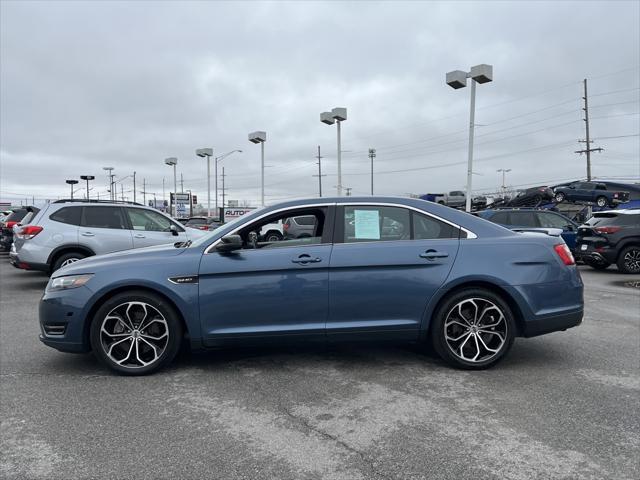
<point x="426" y="228"/>
<point x="501" y="217"/>
<point x="523" y="219"/>
<point x="550" y="220"/>
<point x="148" y="220"/>
<point x="371" y="223"/>
<point x="70" y="215"/>
<point x="103" y="217"/>
<point x="291" y="231"/>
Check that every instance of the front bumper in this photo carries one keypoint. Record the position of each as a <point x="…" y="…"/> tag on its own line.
<point x="62" y="320"/>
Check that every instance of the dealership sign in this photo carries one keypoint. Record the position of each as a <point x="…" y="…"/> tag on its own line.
<point x="229" y="214"/>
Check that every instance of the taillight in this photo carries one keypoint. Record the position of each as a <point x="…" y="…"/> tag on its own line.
<point x="28" y="232"/>
<point x="608" y="229"/>
<point x="285" y="227"/>
<point x="203" y="227"/>
<point x="564" y="253"/>
<point x="10" y="224"/>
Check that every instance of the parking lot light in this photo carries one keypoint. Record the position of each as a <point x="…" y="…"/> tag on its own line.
<point x="337" y="116"/>
<point x="72" y="183"/>
<point x="456" y="79"/>
<point x="174" y="161"/>
<point x="87" y="178"/>
<point x="260" y="137"/>
<point x="208" y="153"/>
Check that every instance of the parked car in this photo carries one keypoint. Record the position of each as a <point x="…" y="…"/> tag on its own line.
<point x="64" y="232"/>
<point x="7" y="227"/>
<point x="532" y="197"/>
<point x="203" y="223"/>
<point x="590" y="192"/>
<point x="465" y="285"/>
<point x="299" y="227"/>
<point x="533" y="218"/>
<point x="611" y="237"/>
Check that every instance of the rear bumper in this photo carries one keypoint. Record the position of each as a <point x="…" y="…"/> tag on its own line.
<point x="553" y="323"/>
<point x="14" y="259"/>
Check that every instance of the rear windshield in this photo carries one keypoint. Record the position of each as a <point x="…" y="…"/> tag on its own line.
<point x="16" y="216"/>
<point x="615" y="219"/>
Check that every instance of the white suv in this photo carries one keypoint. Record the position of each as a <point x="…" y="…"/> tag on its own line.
<point x="66" y="231"/>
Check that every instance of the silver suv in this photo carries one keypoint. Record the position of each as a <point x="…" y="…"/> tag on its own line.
<point x="64" y="232"/>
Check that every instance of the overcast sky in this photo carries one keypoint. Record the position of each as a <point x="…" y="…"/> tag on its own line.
<point x="90" y="84"/>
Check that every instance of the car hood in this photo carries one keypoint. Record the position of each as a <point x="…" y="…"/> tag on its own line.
<point x="125" y="257"/>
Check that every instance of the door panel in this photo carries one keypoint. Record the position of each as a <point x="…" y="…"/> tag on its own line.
<point x="264" y="292"/>
<point x="151" y="228"/>
<point x="103" y="230"/>
<point x="383" y="286"/>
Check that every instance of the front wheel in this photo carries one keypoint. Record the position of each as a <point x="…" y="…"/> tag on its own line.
<point x="473" y="329"/>
<point x="135" y="333"/>
<point x="560" y="197"/>
<point x="629" y="260"/>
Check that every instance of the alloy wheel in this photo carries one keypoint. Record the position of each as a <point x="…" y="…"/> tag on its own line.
<point x="134" y="335"/>
<point x="68" y="261"/>
<point x="475" y="330"/>
<point x="632" y="260"/>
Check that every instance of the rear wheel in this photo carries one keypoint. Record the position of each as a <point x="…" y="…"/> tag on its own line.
<point x="629" y="260"/>
<point x="273" y="237"/>
<point x="601" y="201"/>
<point x="473" y="329"/>
<point x="67" y="259"/>
<point x="136" y="333"/>
<point x="560" y="197"/>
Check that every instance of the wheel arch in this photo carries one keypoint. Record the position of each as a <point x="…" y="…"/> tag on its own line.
<point x="68" y="248"/>
<point x="124" y="288"/>
<point x="486" y="284"/>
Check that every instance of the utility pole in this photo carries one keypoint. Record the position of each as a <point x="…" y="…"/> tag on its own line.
<point x="181" y="184"/>
<point x="319" y="175"/>
<point x="348" y="189"/>
<point x="372" y="155"/>
<point x="588" y="140"/>
<point x="134" y="187"/>
<point x="164" y="198"/>
<point x="122" y="191"/>
<point x="144" y="191"/>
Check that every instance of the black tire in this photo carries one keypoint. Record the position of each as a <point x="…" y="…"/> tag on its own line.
<point x="629" y="259"/>
<point x="505" y="326"/>
<point x="66" y="259"/>
<point x="596" y="265"/>
<point x="167" y="320"/>
<point x="560" y="197"/>
<point x="441" y="202"/>
<point x="272" y="237"/>
<point x="602" y="201"/>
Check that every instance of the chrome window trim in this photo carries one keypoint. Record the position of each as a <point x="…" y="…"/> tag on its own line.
<point x="470" y="234"/>
<point x="267" y="214"/>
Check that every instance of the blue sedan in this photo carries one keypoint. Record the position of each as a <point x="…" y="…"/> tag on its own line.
<point x="374" y="268"/>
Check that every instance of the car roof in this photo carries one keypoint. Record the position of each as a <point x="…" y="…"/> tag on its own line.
<point x="627" y="211"/>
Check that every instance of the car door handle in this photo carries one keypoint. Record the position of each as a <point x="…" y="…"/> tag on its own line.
<point x="139" y="235"/>
<point x="87" y="234"/>
<point x="305" y="259"/>
<point x="433" y="254"/>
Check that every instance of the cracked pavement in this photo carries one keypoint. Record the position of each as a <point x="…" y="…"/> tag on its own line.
<point x="561" y="406"/>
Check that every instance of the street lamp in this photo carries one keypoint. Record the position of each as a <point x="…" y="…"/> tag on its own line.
<point x="174" y="161"/>
<point x="337" y="115"/>
<point x="72" y="183"/>
<point x="87" y="178"/>
<point x="504" y="171"/>
<point x="207" y="152"/>
<point x="110" y="170"/>
<point x="458" y="79"/>
<point x="260" y="137"/>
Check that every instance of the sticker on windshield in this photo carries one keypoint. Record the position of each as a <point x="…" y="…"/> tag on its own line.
<point x="367" y="224"/>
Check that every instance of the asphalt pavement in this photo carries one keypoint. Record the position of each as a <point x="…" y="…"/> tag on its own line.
<point x="560" y="406"/>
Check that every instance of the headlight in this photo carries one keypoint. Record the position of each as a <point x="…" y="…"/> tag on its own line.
<point x="69" y="281"/>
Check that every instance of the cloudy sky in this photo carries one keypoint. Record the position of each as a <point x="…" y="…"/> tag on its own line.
<point x="88" y="84"/>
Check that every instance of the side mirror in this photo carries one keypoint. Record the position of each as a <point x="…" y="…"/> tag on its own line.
<point x="174" y="230"/>
<point x="229" y="243"/>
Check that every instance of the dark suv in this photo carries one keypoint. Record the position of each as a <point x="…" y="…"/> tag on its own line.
<point x="611" y="237"/>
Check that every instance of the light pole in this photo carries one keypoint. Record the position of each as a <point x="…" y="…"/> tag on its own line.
<point x="110" y="170"/>
<point x="207" y="152"/>
<point x="72" y="183"/>
<point x="458" y="79"/>
<point x="372" y="155"/>
<point x="337" y="115"/>
<point x="260" y="137"/>
<point x="87" y="178"/>
<point x="504" y="171"/>
<point x="173" y="161"/>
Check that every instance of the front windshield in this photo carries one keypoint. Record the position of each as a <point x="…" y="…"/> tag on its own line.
<point x="226" y="228"/>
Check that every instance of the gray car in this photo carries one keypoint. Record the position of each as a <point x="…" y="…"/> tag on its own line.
<point x="64" y="232"/>
<point x="299" y="227"/>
